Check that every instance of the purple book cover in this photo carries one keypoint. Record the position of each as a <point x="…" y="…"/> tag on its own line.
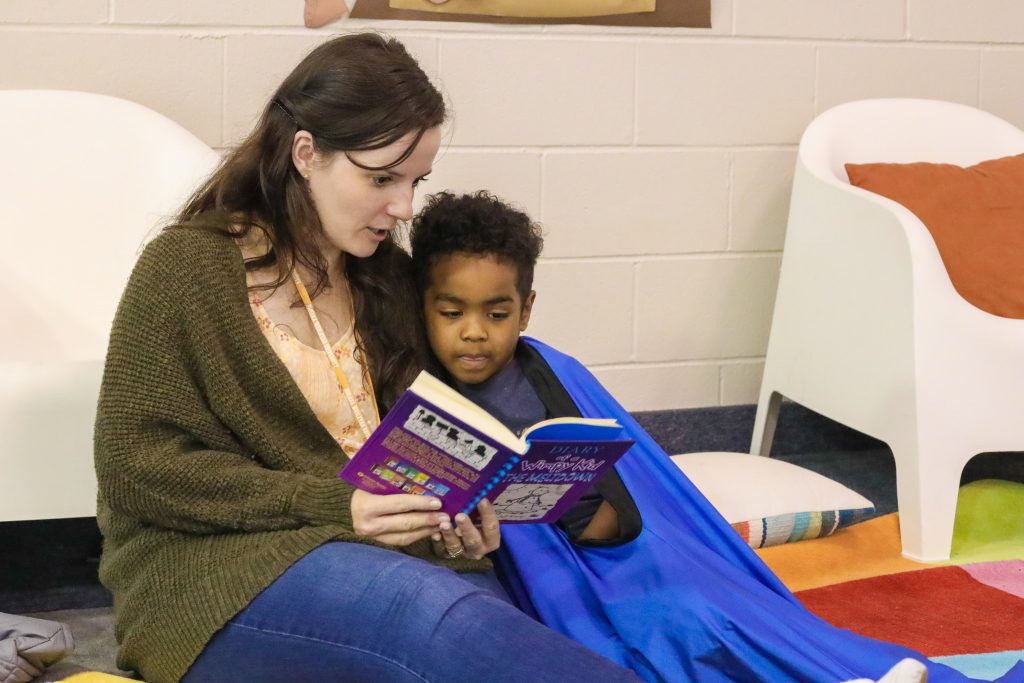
<point x="548" y="480"/>
<point x="422" y="449"/>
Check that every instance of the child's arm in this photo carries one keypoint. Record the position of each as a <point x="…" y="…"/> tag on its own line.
<point x="604" y="525"/>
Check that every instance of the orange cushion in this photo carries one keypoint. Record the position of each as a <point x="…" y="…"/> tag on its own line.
<point x="975" y="216"/>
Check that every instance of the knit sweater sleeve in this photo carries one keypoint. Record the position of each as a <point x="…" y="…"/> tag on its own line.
<point x="178" y="442"/>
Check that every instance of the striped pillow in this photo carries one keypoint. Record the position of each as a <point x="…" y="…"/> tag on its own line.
<point x="769" y="501"/>
<point x="796" y="526"/>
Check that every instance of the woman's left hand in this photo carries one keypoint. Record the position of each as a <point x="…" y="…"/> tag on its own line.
<point x="467" y="539"/>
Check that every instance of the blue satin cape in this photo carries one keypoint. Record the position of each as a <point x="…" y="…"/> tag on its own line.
<point x="687" y="599"/>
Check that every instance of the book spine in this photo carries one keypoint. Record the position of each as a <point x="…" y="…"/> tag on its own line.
<point x="489" y="486"/>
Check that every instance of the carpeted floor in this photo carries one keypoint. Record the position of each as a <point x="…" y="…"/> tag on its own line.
<point x="939" y="611"/>
<point x="968" y="613"/>
<point x="95" y="647"/>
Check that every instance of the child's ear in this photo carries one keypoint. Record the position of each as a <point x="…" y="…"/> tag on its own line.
<point x="524" y="317"/>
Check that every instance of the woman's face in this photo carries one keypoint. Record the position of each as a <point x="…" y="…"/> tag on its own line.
<point x="358" y="208"/>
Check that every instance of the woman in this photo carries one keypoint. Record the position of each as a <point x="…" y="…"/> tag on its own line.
<point x="256" y="341"/>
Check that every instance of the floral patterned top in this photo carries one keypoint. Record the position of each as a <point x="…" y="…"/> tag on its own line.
<point x="313" y="374"/>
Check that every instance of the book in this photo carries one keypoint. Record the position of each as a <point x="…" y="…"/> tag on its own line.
<point x="436" y="442"/>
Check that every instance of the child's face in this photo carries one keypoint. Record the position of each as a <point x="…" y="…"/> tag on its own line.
<point x="474" y="315"/>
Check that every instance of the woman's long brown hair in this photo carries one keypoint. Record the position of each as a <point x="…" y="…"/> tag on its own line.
<point x="355" y="92"/>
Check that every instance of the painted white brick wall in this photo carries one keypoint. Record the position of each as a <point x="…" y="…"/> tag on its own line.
<point x="54" y="12"/>
<point x="861" y="71"/>
<point x="659" y="160"/>
<point x="723" y="93"/>
<point x="1001" y="91"/>
<point x="635" y="202"/>
<point x="997" y="21"/>
<point x="864" y="19"/>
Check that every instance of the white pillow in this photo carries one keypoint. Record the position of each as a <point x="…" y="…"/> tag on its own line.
<point x="770" y="501"/>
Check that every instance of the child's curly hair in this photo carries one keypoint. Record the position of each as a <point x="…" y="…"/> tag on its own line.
<point x="477" y="223"/>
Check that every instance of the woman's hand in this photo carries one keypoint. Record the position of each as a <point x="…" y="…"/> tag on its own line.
<point x="398" y="519"/>
<point x="473" y="541"/>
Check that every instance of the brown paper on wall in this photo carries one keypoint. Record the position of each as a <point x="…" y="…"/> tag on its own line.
<point x="530" y="8"/>
<point x="667" y="13"/>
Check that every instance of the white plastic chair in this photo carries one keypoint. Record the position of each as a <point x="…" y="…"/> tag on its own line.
<point x="867" y="327"/>
<point x="84" y="179"/>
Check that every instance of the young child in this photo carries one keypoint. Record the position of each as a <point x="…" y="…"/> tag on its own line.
<point x="474" y="258"/>
<point x="678" y="597"/>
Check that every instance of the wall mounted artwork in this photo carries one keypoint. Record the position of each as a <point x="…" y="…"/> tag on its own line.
<point x="664" y="13"/>
<point x="318" y="13"/>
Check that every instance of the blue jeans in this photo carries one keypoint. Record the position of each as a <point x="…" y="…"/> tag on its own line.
<point x="353" y="612"/>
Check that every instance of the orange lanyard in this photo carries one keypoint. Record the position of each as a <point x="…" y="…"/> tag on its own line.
<point x="343" y="385"/>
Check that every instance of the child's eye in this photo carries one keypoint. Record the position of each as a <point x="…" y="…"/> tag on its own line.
<point x="380" y="180"/>
<point x="450" y="314"/>
<point x="499" y="315"/>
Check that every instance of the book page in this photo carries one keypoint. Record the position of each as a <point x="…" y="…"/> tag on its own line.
<point x="461" y="408"/>
<point x="528" y="502"/>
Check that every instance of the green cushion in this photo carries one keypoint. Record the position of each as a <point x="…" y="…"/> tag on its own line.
<point x="989" y="522"/>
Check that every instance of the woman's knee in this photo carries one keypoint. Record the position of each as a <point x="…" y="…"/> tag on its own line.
<point x="375" y="590"/>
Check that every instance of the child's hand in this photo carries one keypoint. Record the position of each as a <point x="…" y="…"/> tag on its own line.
<point x="465" y="538"/>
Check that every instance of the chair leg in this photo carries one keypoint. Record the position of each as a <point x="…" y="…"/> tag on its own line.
<point x="927" y="495"/>
<point x="764" y="423"/>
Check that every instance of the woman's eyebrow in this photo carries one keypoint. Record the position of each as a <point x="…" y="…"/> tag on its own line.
<point x="399" y="174"/>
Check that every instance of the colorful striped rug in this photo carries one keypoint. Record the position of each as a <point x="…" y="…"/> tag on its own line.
<point x="967" y="613"/>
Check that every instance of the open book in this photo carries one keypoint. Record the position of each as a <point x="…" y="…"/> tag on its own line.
<point x="436" y="442"/>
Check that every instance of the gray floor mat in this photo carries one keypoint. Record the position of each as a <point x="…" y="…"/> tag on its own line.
<point x="95" y="647"/>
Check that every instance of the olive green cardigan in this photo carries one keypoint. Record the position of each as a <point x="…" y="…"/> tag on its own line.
<point x="214" y="473"/>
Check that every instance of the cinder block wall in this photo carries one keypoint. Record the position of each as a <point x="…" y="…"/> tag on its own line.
<point x="659" y="160"/>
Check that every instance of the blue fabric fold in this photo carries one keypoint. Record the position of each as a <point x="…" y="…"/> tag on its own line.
<point x="687" y="599"/>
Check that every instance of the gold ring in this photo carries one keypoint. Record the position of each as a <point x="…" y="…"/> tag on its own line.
<point x="452" y="555"/>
